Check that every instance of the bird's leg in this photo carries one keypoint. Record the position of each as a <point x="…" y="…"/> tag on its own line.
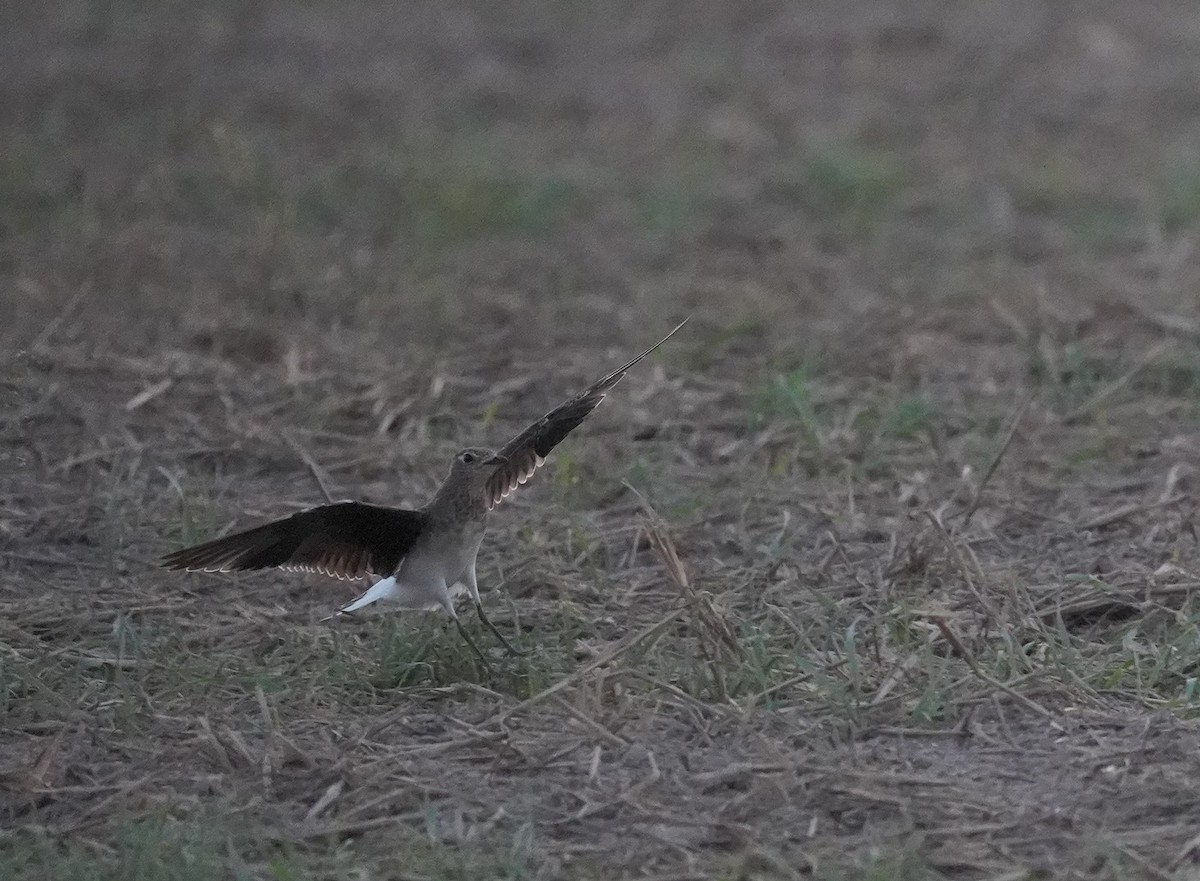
<point x="508" y="647"/>
<point x="463" y="633"/>
<point x="473" y="587"/>
<point x="448" y="606"/>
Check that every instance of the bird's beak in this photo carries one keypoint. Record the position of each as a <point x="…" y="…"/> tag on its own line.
<point x="496" y="460"/>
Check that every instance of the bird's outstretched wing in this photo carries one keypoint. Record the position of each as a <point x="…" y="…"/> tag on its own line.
<point x="346" y="540"/>
<point x="526" y="452"/>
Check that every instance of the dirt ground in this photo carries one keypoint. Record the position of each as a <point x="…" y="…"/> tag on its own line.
<point x="883" y="568"/>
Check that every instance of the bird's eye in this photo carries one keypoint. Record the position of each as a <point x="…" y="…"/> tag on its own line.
<point x="468" y="458"/>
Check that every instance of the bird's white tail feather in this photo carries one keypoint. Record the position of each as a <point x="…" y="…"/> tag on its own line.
<point x="384" y="589"/>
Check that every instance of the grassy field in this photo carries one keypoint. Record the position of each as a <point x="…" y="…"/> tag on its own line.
<point x="885" y="567"/>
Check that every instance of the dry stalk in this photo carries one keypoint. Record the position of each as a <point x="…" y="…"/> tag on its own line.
<point x="318" y="474"/>
<point x="961" y="650"/>
<point x="1148" y="357"/>
<point x="605" y="658"/>
<point x="995" y="463"/>
<point x="43" y="338"/>
<point x="711" y="625"/>
<point x="957" y="556"/>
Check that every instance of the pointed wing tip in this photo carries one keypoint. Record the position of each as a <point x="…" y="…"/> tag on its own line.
<point x="187" y="560"/>
<point x="172" y="562"/>
<point x="613" y="378"/>
<point x="182" y="565"/>
<point x="674" y="331"/>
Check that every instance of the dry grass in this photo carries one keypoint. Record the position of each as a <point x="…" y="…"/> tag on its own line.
<point x="884" y="568"/>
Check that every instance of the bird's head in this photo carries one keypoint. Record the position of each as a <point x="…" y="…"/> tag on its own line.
<point x="475" y="464"/>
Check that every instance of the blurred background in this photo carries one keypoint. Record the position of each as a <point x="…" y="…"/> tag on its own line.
<point x="245" y="177"/>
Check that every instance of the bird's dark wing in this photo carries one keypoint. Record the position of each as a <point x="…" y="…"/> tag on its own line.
<point x="346" y="540"/>
<point x="526" y="452"/>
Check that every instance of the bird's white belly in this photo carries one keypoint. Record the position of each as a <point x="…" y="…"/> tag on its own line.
<point x="427" y="575"/>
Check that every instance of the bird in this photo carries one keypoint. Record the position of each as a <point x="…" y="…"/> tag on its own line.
<point x="418" y="556"/>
